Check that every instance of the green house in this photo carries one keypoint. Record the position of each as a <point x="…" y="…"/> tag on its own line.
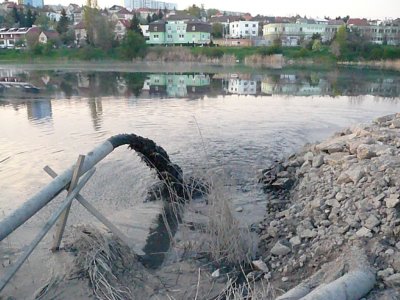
<point x="179" y="32"/>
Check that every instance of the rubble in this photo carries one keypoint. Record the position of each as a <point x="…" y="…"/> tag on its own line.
<point x="334" y="195"/>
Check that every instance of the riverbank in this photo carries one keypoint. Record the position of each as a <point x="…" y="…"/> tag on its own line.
<point x="331" y="198"/>
<point x="219" y="56"/>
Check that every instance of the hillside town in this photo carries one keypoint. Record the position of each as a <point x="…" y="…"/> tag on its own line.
<point x="30" y="22"/>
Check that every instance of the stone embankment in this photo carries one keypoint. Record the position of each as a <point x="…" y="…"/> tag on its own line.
<point x="332" y="197"/>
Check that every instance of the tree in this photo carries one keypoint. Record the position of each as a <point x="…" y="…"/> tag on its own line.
<point x="44" y="22"/>
<point x="154" y="17"/>
<point x="212" y="12"/>
<point x="149" y="20"/>
<point x="133" y="45"/>
<point x="62" y="25"/>
<point x="217" y="30"/>
<point x="100" y="31"/>
<point x="160" y="14"/>
<point x="194" y="10"/>
<point x="135" y="25"/>
<point x="316" y="46"/>
<point x="30" y="18"/>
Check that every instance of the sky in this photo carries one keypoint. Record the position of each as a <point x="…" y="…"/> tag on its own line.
<point x="371" y="9"/>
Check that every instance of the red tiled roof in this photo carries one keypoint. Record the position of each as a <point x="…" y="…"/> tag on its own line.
<point x="51" y="34"/>
<point x="358" y="22"/>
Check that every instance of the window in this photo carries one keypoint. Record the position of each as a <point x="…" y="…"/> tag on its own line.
<point x="156" y="36"/>
<point x="247" y="32"/>
<point x="155" y="28"/>
<point x="246" y="25"/>
<point x="170" y="36"/>
<point x="254" y="25"/>
<point x="193" y="27"/>
<point x="253" y="32"/>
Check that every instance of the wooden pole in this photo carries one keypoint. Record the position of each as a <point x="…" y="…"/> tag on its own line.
<point x="60" y="226"/>
<point x="98" y="215"/>
<point x="17" y="265"/>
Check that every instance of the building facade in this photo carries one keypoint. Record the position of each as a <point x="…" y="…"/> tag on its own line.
<point x="243" y="29"/>
<point x="293" y="34"/>
<point x="152" y="4"/>
<point x="33" y="3"/>
<point x="179" y="32"/>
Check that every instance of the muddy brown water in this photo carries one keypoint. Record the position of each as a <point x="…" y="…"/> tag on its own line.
<point x="230" y="123"/>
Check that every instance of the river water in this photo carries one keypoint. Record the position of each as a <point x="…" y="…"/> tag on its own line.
<point x="230" y="123"/>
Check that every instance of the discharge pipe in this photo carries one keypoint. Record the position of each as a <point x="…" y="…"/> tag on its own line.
<point x="154" y="156"/>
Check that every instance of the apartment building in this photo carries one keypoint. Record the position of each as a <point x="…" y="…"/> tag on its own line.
<point x="179" y="32"/>
<point x="243" y="29"/>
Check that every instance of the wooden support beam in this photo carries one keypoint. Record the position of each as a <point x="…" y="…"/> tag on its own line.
<point x="98" y="215"/>
<point x="60" y="226"/>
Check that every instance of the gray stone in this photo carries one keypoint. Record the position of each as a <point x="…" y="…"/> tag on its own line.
<point x="393" y="280"/>
<point x="356" y="174"/>
<point x="372" y="222"/>
<point x="343" y="178"/>
<point x="308" y="233"/>
<point x="295" y="241"/>
<point x="332" y="203"/>
<point x="398" y="245"/>
<point x="395" y="124"/>
<point x="392" y="201"/>
<point x="308" y="156"/>
<point x="340" y="196"/>
<point x="280" y="249"/>
<point x="239" y="209"/>
<point x="364" y="232"/>
<point x="260" y="265"/>
<point x="365" y="151"/>
<point x="385" y="273"/>
<point x="284" y="279"/>
<point x="384" y="119"/>
<point x="318" y="161"/>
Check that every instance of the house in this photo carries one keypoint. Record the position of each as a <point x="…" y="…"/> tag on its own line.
<point x="17" y="37"/>
<point x="194" y="31"/>
<point x="243" y="29"/>
<point x="144" y="12"/>
<point x="145" y="31"/>
<point x="121" y="14"/>
<point x="80" y="33"/>
<point x="293" y="34"/>
<point x="120" y="28"/>
<point x="47" y="36"/>
<point x="377" y="32"/>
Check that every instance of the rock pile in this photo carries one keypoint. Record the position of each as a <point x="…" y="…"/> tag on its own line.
<point x="340" y="193"/>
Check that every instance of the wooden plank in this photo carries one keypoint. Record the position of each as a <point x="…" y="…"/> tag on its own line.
<point x="60" y="226"/>
<point x="49" y="224"/>
<point x="99" y="216"/>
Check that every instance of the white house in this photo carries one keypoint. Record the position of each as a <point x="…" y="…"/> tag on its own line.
<point x="145" y="31"/>
<point x="243" y="29"/>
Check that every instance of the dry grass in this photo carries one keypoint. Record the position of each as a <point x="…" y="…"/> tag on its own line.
<point x="110" y="266"/>
<point x="250" y="290"/>
<point x="227" y="242"/>
<point x="256" y="60"/>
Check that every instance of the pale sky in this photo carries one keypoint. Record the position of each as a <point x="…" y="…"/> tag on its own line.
<point x="311" y="8"/>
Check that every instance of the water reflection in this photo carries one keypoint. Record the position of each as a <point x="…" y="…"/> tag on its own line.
<point x="29" y="85"/>
<point x="38" y="110"/>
